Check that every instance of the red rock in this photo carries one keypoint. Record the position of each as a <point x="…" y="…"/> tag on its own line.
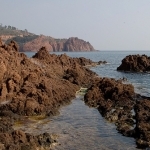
<point x="75" y="44"/>
<point x="51" y="44"/>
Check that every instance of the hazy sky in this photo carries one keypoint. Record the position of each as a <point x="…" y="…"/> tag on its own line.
<point x="106" y="24"/>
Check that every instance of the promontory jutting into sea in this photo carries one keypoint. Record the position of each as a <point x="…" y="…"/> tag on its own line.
<point x="63" y="94"/>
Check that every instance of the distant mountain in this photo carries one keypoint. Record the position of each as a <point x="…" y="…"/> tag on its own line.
<point x="31" y="42"/>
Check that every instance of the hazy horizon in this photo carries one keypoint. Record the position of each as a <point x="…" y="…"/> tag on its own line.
<point x="106" y="24"/>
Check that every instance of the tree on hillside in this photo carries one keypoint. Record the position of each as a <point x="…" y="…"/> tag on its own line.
<point x="26" y="30"/>
<point x="9" y="27"/>
<point x="13" y="28"/>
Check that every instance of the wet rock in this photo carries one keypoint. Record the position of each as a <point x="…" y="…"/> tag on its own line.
<point x="135" y="63"/>
<point x="102" y="62"/>
<point x="118" y="103"/>
<point x="142" y="109"/>
<point x="45" y="140"/>
<point x="114" y="100"/>
<point x="19" y="140"/>
<point x="83" y="61"/>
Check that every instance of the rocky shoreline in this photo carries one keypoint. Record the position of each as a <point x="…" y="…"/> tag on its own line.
<point x="36" y="86"/>
<point x="118" y="103"/>
<point x="41" y="84"/>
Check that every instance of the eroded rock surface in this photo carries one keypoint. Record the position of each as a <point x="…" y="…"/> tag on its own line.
<point x="113" y="99"/>
<point x="41" y="84"/>
<point x="142" y="110"/>
<point x="135" y="63"/>
<point x="118" y="103"/>
<point x="34" y="86"/>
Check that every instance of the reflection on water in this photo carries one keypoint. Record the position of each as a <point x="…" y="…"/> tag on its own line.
<point x="80" y="128"/>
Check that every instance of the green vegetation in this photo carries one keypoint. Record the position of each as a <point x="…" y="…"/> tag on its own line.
<point x="60" y="40"/>
<point x="13" y="31"/>
<point x="20" y="36"/>
<point x="24" y="39"/>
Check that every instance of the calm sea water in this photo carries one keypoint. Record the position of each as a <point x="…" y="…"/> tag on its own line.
<point x="82" y="128"/>
<point x="141" y="81"/>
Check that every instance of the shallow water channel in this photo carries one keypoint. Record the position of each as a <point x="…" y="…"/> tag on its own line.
<point x="79" y="128"/>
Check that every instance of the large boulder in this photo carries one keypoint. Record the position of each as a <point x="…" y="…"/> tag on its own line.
<point x="135" y="63"/>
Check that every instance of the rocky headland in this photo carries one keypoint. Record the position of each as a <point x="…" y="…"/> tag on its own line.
<point x="135" y="63"/>
<point x="69" y="45"/>
<point x="31" y="42"/>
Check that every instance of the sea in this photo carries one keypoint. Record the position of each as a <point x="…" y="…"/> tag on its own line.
<point x="79" y="127"/>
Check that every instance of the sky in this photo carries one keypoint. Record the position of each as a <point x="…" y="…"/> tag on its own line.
<point x="106" y="24"/>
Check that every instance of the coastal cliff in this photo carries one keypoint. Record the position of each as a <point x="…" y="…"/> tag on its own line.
<point x="31" y="42"/>
<point x="71" y="44"/>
